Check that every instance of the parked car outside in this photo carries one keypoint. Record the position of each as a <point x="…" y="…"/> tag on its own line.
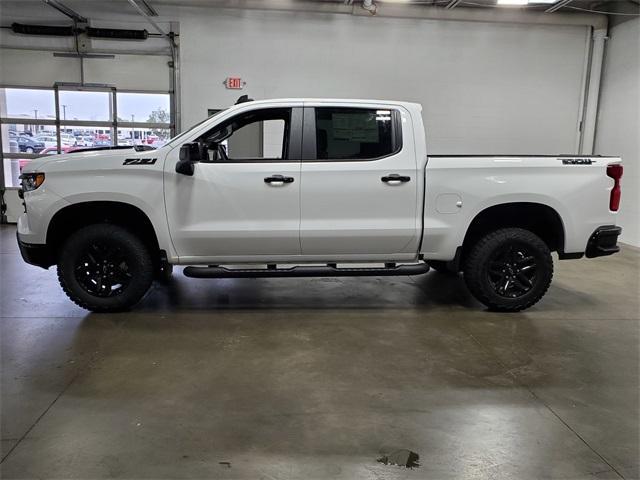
<point x="29" y="145"/>
<point x="68" y="139"/>
<point x="47" y="140"/>
<point x="52" y="141"/>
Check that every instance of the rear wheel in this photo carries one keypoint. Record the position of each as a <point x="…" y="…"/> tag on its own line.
<point x="509" y="270"/>
<point x="105" y="268"/>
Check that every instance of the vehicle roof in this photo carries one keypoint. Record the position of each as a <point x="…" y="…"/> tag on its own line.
<point x="332" y="100"/>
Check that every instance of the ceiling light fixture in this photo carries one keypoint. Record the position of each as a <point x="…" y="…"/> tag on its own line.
<point x="513" y="2"/>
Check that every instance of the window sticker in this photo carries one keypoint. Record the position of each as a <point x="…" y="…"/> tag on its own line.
<point x="355" y="127"/>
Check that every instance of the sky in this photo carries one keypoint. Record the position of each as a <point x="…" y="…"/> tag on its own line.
<point x="83" y="105"/>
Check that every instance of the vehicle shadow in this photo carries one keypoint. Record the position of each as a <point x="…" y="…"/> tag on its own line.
<point x="431" y="291"/>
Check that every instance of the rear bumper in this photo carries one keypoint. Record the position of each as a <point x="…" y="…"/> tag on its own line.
<point x="603" y="242"/>
<point x="35" y="254"/>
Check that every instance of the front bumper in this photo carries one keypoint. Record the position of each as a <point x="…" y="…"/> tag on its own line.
<point x="603" y="242"/>
<point x="35" y="253"/>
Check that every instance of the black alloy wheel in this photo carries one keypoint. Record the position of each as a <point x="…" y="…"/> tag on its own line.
<point x="512" y="270"/>
<point x="102" y="269"/>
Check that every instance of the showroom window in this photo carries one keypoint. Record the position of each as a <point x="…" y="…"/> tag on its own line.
<point x="354" y="133"/>
<point x="48" y="121"/>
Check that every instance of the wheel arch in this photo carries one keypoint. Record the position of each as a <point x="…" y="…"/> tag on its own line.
<point x="538" y="218"/>
<point x="69" y="219"/>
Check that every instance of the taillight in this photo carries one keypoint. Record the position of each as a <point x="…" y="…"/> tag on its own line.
<point x="615" y="171"/>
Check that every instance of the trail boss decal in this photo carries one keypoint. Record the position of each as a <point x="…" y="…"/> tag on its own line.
<point x="140" y="161"/>
<point x="577" y="161"/>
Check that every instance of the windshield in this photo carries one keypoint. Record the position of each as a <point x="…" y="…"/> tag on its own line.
<point x="179" y="136"/>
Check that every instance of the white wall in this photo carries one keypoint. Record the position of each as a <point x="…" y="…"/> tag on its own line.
<point x="486" y="88"/>
<point x="619" y="119"/>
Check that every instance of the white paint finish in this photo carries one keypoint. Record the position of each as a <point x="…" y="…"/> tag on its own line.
<point x="346" y="209"/>
<point x="227" y="209"/>
<point x="95" y="176"/>
<point x="225" y="212"/>
<point x="578" y="193"/>
<point x="619" y="119"/>
<point x="486" y="88"/>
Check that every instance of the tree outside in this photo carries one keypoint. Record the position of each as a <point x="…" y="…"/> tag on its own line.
<point x="159" y="115"/>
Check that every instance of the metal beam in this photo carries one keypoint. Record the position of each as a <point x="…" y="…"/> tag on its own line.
<point x="146" y="15"/>
<point x="558" y="6"/>
<point x="150" y="10"/>
<point x="72" y="14"/>
<point x="453" y="4"/>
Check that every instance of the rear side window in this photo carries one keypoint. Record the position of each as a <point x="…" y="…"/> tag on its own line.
<point x="355" y="133"/>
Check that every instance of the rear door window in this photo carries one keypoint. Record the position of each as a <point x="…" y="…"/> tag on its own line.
<point x="355" y="133"/>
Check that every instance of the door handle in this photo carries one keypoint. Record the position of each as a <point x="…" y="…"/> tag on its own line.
<point x="395" y="179"/>
<point x="278" y="180"/>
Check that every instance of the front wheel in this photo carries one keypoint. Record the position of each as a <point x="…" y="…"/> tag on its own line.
<point x="29" y="150"/>
<point x="509" y="270"/>
<point x="105" y="268"/>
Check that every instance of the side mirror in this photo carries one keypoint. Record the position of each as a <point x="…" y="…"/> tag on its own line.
<point x="189" y="154"/>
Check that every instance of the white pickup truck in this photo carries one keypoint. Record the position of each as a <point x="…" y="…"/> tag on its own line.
<point x="306" y="187"/>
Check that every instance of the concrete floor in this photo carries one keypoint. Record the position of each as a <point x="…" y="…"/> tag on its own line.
<point x="314" y="378"/>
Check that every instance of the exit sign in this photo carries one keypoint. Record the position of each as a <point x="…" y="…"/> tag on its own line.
<point x="234" y="83"/>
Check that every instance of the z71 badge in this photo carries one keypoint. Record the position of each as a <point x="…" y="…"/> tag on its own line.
<point x="140" y="161"/>
<point x="577" y="161"/>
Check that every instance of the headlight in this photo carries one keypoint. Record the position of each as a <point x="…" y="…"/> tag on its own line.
<point x="31" y="181"/>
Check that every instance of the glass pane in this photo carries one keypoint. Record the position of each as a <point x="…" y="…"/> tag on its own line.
<point x="353" y="133"/>
<point x="155" y="137"/>
<point x="143" y="107"/>
<point x="85" y="106"/>
<point x="77" y="137"/>
<point x="259" y="134"/>
<point x="27" y="138"/>
<point x="27" y="103"/>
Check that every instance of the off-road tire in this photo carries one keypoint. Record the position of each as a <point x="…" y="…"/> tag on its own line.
<point x="479" y="259"/>
<point x="132" y="249"/>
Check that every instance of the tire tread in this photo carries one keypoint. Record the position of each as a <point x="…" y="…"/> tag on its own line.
<point x="478" y="255"/>
<point x="139" y="250"/>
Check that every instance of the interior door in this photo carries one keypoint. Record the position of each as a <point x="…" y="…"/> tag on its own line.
<point x="244" y="203"/>
<point x="359" y="194"/>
